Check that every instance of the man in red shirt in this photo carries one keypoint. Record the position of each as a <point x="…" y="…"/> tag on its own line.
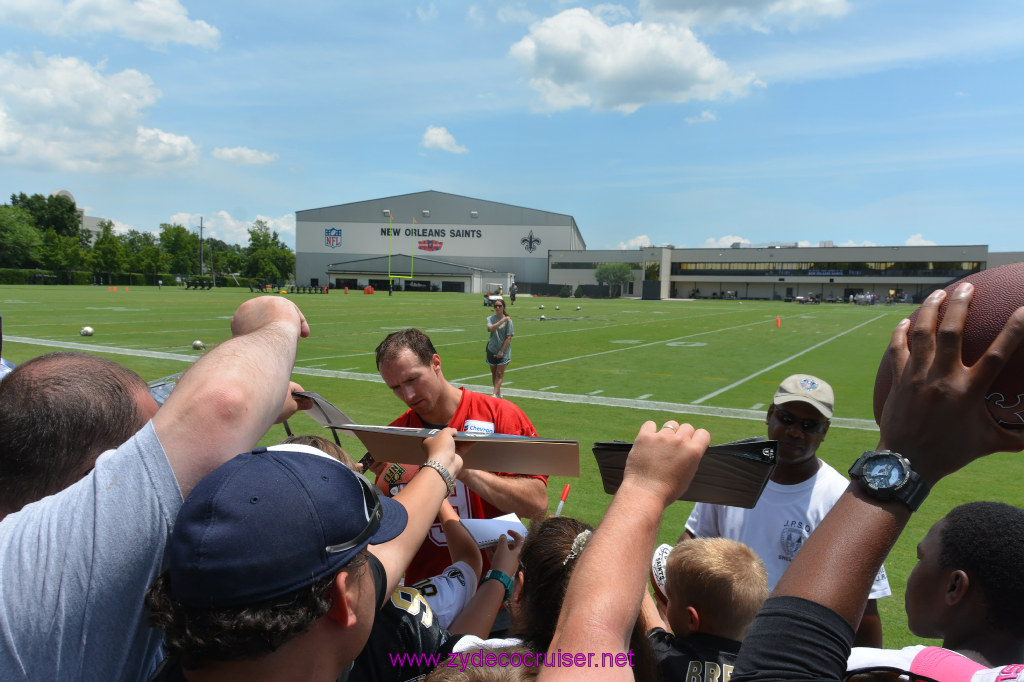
<point x="411" y="368"/>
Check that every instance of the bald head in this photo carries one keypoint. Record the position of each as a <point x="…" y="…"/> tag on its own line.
<point x="58" y="413"/>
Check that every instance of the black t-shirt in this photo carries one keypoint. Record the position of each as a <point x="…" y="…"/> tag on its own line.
<point x="699" y="656"/>
<point x="405" y="624"/>
<point x="794" y="639"/>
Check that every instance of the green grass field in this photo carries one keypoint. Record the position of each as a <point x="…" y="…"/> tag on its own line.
<point x="593" y="374"/>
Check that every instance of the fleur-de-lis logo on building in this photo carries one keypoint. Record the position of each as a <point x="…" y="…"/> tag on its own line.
<point x="530" y="242"/>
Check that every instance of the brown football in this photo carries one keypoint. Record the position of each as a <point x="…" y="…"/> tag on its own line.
<point x="997" y="293"/>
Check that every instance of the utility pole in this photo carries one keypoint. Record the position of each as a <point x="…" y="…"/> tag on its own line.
<point x="201" y="267"/>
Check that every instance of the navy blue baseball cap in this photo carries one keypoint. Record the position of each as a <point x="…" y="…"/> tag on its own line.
<point x="272" y="521"/>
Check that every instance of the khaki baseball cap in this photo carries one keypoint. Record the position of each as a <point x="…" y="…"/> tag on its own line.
<point x="804" y="388"/>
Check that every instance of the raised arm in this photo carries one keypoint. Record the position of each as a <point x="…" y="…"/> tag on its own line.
<point x="598" y="617"/>
<point x="935" y="416"/>
<point x="478" y="616"/>
<point x="461" y="545"/>
<point x="229" y="398"/>
<point x="422" y="498"/>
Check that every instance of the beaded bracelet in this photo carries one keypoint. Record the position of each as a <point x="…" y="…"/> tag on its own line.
<point x="440" y="469"/>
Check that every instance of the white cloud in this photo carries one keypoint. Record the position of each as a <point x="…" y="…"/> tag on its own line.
<point x="222" y="225"/>
<point x="66" y="114"/>
<point x="9" y="138"/>
<point x="122" y="228"/>
<point x="515" y="14"/>
<point x="439" y="138"/>
<point x="637" y="242"/>
<point x="428" y="13"/>
<point x="705" y="116"/>
<point x="243" y="156"/>
<point x="576" y="59"/>
<point x="159" y="147"/>
<point x="724" y="242"/>
<point x="756" y="14"/>
<point x="866" y="242"/>
<point x="475" y="15"/>
<point x="919" y="240"/>
<point x="156" y="22"/>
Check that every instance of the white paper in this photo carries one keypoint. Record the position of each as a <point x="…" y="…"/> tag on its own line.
<point x="486" y="532"/>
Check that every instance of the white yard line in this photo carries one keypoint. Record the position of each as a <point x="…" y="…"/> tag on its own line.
<point x="96" y="348"/>
<point x="672" y="408"/>
<point x="616" y="350"/>
<point x="606" y="401"/>
<point x="733" y="385"/>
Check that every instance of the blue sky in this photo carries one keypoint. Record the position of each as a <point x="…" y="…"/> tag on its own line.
<point x="688" y="122"/>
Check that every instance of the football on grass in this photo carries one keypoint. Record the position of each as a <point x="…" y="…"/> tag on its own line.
<point x="997" y="293"/>
<point x="86" y="331"/>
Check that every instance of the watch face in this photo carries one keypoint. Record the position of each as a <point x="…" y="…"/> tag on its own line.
<point x="884" y="472"/>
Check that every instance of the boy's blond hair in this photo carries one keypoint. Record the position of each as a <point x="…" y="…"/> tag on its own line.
<point x="321" y="443"/>
<point x="722" y="579"/>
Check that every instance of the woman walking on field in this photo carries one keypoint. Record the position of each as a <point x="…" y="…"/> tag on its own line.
<point x="499" y="352"/>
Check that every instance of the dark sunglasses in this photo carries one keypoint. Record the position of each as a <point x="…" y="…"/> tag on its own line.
<point x="373" y="510"/>
<point x="806" y="425"/>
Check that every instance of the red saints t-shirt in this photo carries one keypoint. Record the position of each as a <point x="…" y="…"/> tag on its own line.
<point x="476" y="412"/>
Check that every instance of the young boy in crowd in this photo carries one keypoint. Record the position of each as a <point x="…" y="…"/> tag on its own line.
<point x="713" y="587"/>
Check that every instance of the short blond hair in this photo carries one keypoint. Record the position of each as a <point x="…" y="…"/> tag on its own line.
<point x="722" y="579"/>
<point x="321" y="443"/>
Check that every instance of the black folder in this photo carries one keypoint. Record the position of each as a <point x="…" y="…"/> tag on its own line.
<point x="733" y="474"/>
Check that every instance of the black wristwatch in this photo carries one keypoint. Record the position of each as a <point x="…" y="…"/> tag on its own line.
<point x="888" y="475"/>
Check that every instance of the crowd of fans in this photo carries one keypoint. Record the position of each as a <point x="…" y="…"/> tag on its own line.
<point x="137" y="544"/>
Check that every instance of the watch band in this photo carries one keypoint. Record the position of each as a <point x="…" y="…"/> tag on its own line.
<point x="443" y="472"/>
<point x="502" y="578"/>
<point x="912" y="491"/>
<point x="916" y="492"/>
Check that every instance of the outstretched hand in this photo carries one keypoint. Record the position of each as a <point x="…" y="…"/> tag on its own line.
<point x="935" y="413"/>
<point x="664" y="460"/>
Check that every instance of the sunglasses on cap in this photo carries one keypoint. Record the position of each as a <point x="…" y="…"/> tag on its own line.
<point x="373" y="510"/>
<point x="806" y="425"/>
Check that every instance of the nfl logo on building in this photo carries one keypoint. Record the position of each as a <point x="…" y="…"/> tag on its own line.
<point x="332" y="237"/>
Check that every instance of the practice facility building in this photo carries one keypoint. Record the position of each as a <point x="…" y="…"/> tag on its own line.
<point x="435" y="241"/>
<point x="780" y="272"/>
<point x="429" y="241"/>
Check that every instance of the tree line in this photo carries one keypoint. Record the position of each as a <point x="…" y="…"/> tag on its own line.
<point x="45" y="232"/>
